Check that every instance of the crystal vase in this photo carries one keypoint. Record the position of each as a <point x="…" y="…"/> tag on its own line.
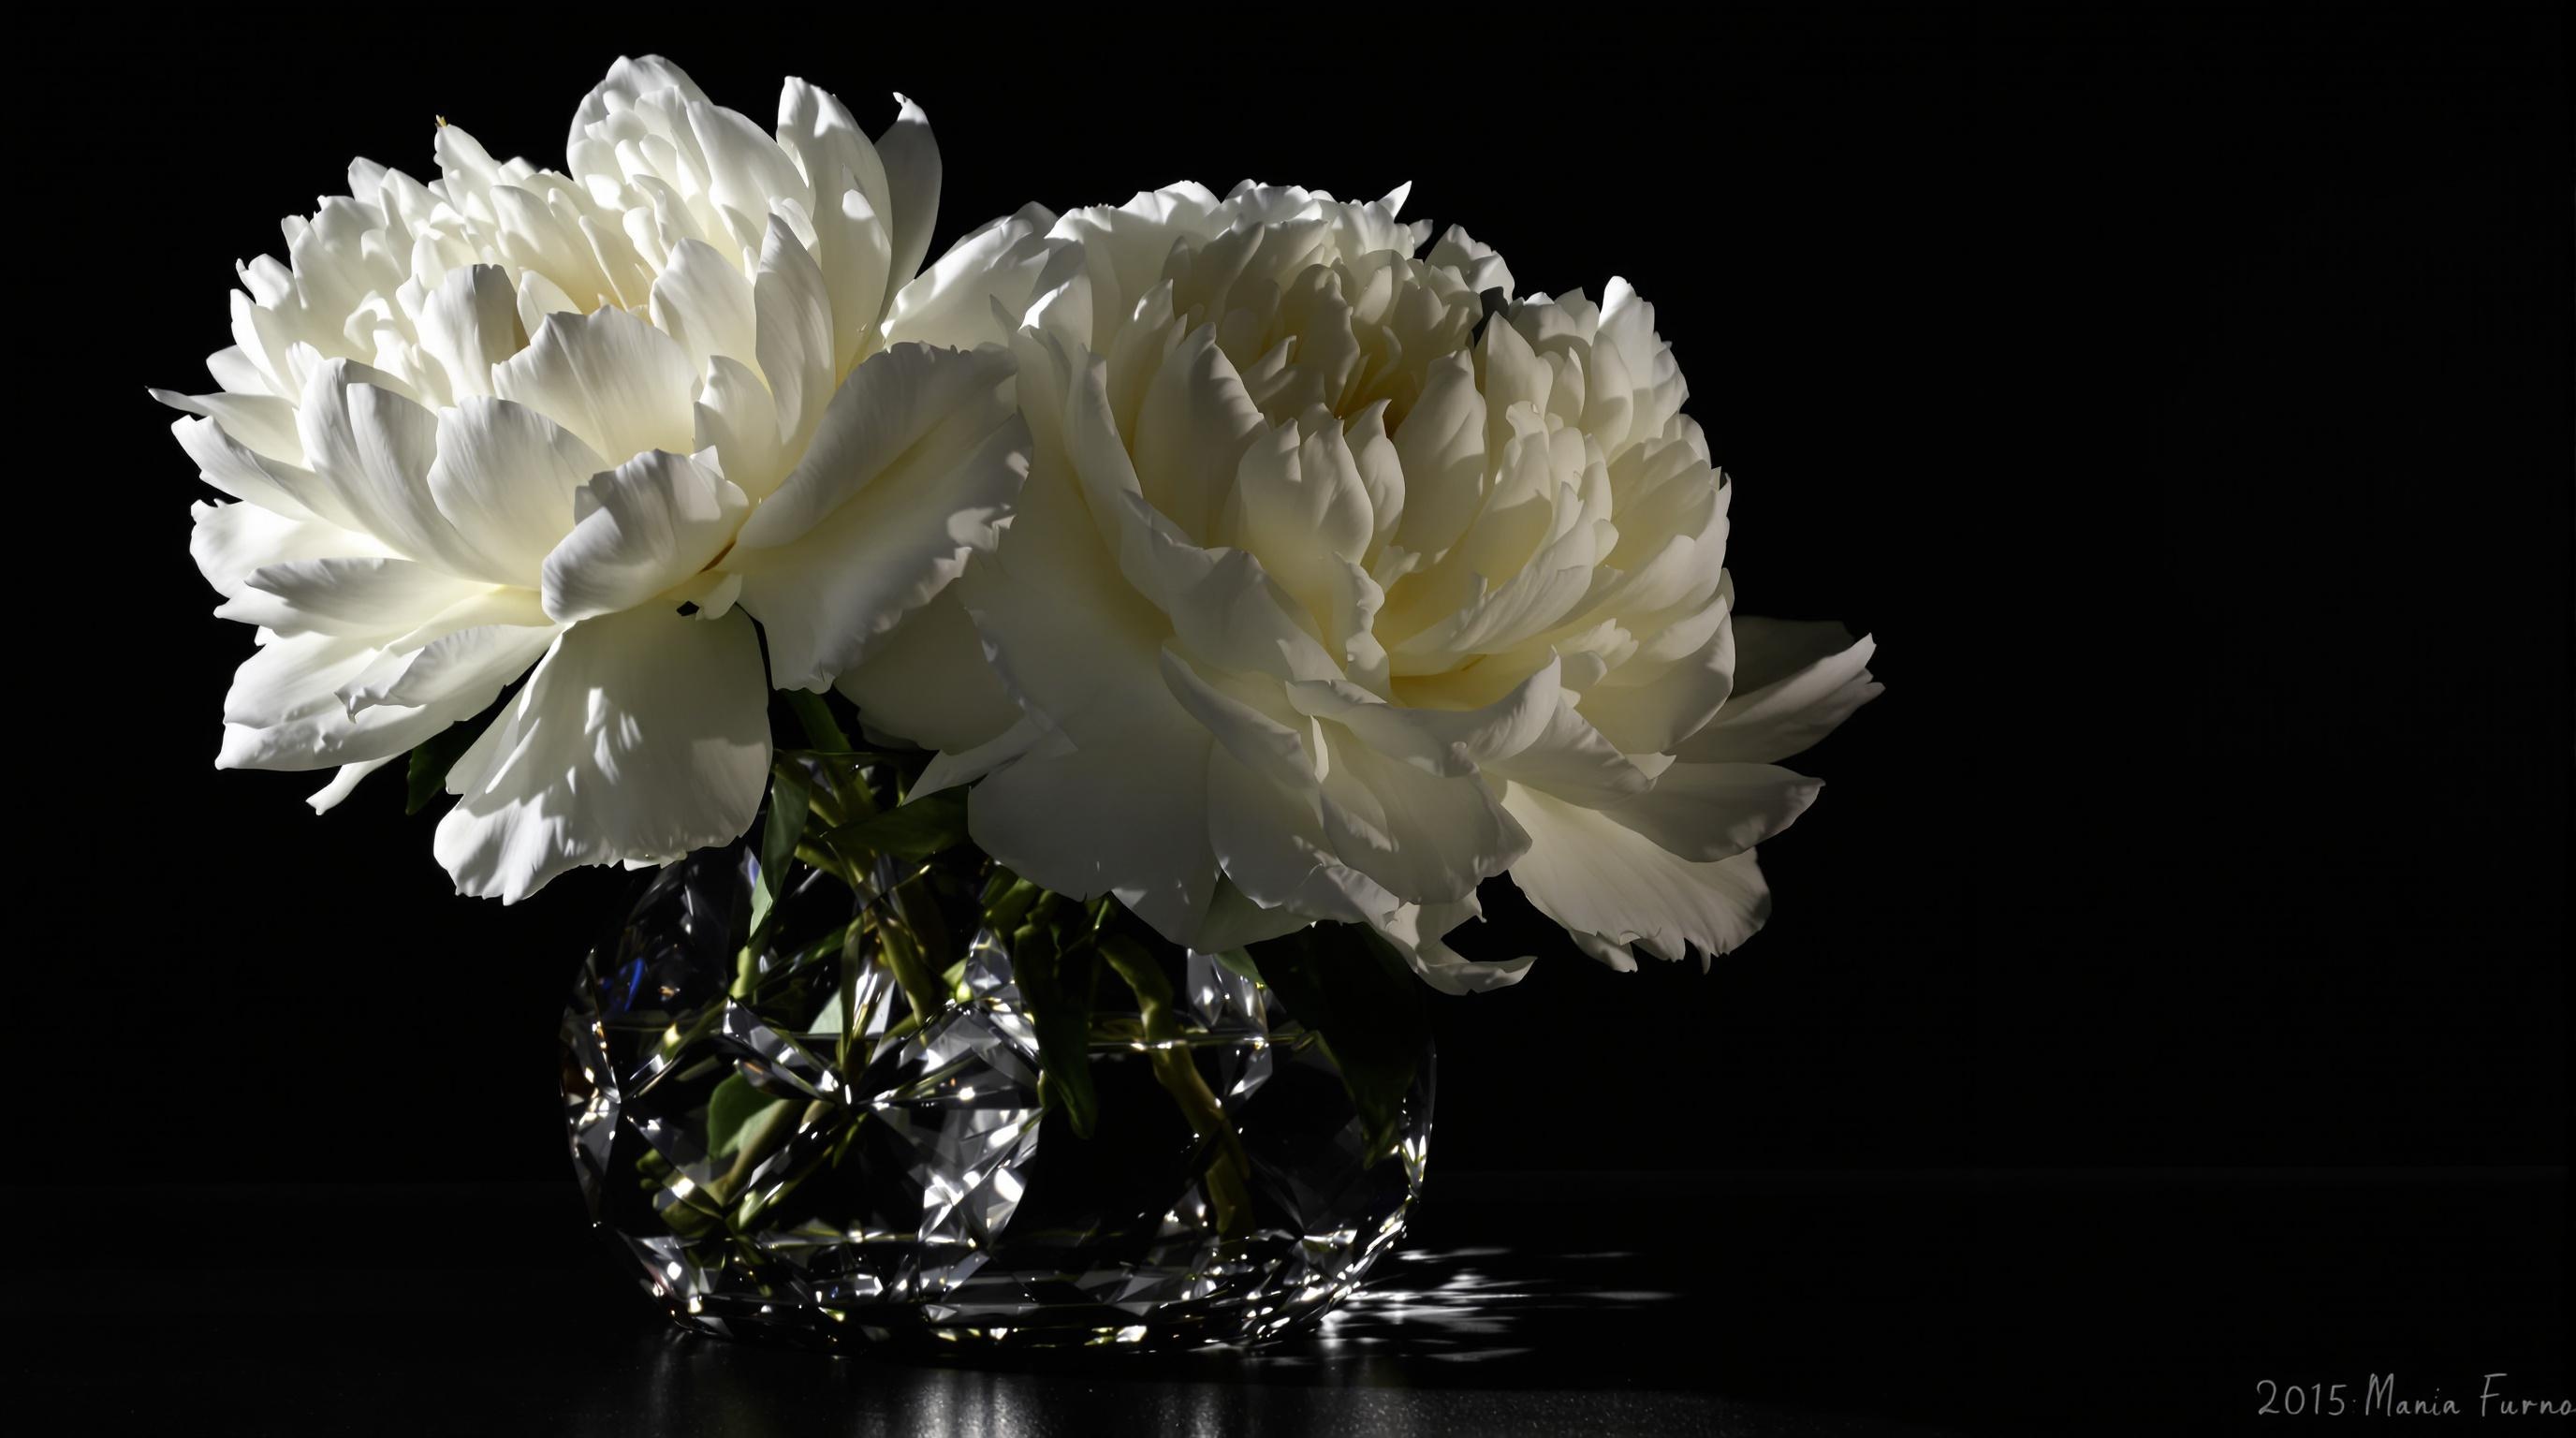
<point x="788" y="1147"/>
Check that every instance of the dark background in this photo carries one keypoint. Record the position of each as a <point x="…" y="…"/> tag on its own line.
<point x="2180" y="398"/>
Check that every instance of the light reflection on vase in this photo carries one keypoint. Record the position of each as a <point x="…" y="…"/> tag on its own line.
<point x="784" y="1157"/>
<point x="1363" y="1368"/>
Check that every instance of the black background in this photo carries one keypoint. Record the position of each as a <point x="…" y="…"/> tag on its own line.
<point x="2181" y="399"/>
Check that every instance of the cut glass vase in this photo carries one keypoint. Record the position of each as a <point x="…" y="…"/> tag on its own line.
<point x="786" y="1153"/>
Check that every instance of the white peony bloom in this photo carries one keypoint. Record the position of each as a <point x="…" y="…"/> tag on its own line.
<point x="584" y="422"/>
<point x="1345" y="581"/>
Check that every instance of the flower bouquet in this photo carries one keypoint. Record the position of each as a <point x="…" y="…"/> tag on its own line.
<point x="1069" y="695"/>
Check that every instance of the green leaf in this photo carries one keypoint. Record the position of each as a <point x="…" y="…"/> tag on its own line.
<point x="902" y="955"/>
<point x="1007" y="899"/>
<point x="848" y="756"/>
<point x="836" y="785"/>
<point x="790" y="797"/>
<point x="730" y="1110"/>
<point x="1349" y="986"/>
<point x="915" y="831"/>
<point x="1229" y="1171"/>
<point x="1240" y="962"/>
<point x="839" y="792"/>
<point x="430" y="761"/>
<point x="1055" y="987"/>
<point x="822" y="731"/>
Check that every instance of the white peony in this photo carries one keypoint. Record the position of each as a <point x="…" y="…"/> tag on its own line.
<point x="584" y="421"/>
<point x="1344" y="581"/>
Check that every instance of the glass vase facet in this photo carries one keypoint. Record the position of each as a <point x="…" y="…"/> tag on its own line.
<point x="786" y="1151"/>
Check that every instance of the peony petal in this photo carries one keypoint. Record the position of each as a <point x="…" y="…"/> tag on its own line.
<point x="645" y="526"/>
<point x="739" y="421"/>
<point x="621" y="385"/>
<point x="1673" y="636"/>
<point x="641" y="736"/>
<point x="1273" y="847"/>
<point x="343" y="783"/>
<point x="928" y="682"/>
<point x="264" y="425"/>
<point x="1475" y="261"/>
<point x="628" y="81"/>
<point x="828" y="598"/>
<point x="292" y="675"/>
<point x="716" y="595"/>
<point x="1652" y="717"/>
<point x="702" y="301"/>
<point x="1300" y="507"/>
<point x="1706" y="812"/>
<point x="1068" y="637"/>
<point x="793" y="313"/>
<point x="1418" y="932"/>
<point x="1425" y="838"/>
<point x="470" y="324"/>
<point x="748" y="173"/>
<point x="949" y="769"/>
<point x="854" y="248"/>
<point x="351" y="596"/>
<point x="1192" y="432"/>
<point x="1628" y="329"/>
<point x="1611" y="886"/>
<point x="474" y="661"/>
<point x="1265" y="803"/>
<point x="1447" y="742"/>
<point x="1227" y="611"/>
<point x="1512" y="374"/>
<point x="234" y="468"/>
<point x="854" y="244"/>
<point x="916" y="467"/>
<point x="1795" y="683"/>
<point x="1234" y="921"/>
<point x="1296" y="498"/>
<point x="231" y="541"/>
<point x="1056" y="384"/>
<point x="371" y="452"/>
<point x="1128" y="819"/>
<point x="505" y="477"/>
<point x="1008" y="263"/>
<point x="1573" y="762"/>
<point x="885" y="408"/>
<point x="1247" y="716"/>
<point x="284" y="710"/>
<point x="1441" y="444"/>
<point x="912" y="173"/>
<point x="540" y="298"/>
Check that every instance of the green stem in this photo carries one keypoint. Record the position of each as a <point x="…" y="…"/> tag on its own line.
<point x="832" y="864"/>
<point x="1229" y="1170"/>
<point x="822" y="731"/>
<point x="816" y="1111"/>
<point x="766" y="1132"/>
<point x="1053" y="971"/>
<point x="920" y="981"/>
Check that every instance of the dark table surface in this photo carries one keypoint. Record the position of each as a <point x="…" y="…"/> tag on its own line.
<point x="1758" y="1303"/>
